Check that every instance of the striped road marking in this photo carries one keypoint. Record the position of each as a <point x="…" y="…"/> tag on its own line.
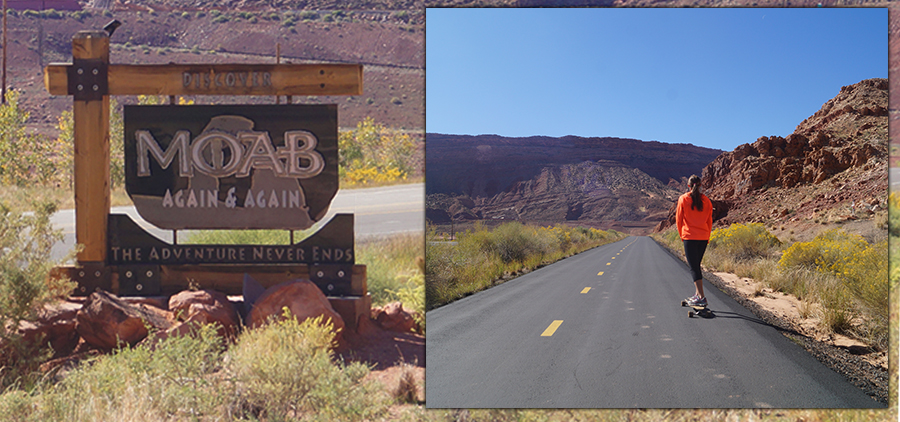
<point x="552" y="328"/>
<point x="586" y="289"/>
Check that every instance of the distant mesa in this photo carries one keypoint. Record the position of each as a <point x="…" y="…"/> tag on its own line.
<point x="601" y="182"/>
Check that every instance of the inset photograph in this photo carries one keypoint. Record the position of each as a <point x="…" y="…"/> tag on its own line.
<point x="657" y="208"/>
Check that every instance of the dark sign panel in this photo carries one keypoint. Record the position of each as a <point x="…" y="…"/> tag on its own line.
<point x="231" y="167"/>
<point x="131" y="245"/>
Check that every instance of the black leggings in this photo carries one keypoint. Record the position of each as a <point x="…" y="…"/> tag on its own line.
<point x="693" y="251"/>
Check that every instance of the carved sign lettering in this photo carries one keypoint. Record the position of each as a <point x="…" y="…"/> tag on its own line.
<point x="235" y="167"/>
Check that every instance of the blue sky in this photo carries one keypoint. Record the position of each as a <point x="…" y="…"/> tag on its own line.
<point x="716" y="78"/>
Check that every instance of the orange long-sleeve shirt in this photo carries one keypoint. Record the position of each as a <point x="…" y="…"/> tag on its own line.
<point x="693" y="224"/>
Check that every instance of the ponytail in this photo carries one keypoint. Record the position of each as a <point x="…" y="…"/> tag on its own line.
<point x="696" y="199"/>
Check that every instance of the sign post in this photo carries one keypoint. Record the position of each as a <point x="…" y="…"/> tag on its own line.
<point x="209" y="167"/>
<point x="90" y="111"/>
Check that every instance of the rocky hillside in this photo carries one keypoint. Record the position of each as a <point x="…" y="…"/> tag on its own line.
<point x="389" y="44"/>
<point x="602" y="182"/>
<point x="832" y="169"/>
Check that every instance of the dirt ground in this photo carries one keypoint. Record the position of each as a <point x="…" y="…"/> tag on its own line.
<point x="791" y="310"/>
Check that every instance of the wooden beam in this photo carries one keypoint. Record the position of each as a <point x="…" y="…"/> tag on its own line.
<point x="91" y="127"/>
<point x="221" y="79"/>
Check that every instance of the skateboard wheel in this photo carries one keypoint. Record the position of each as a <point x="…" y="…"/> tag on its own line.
<point x="690" y="314"/>
<point x="683" y="303"/>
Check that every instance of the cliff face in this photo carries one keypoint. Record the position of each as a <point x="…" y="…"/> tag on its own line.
<point x="594" y="181"/>
<point x="833" y="165"/>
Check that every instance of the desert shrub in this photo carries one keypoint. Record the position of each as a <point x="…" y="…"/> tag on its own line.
<point x="169" y="380"/>
<point x="374" y="152"/>
<point x="481" y="256"/>
<point x="510" y="242"/>
<point x="894" y="214"/>
<point x="795" y="281"/>
<point x="452" y="271"/>
<point x="412" y="295"/>
<point x="862" y="284"/>
<point x="830" y="251"/>
<point x="284" y="370"/>
<point x="744" y="241"/>
<point x="390" y="264"/>
<point x="866" y="277"/>
<point x="26" y="158"/>
<point x="53" y="14"/>
<point x="25" y="244"/>
<point x="371" y="175"/>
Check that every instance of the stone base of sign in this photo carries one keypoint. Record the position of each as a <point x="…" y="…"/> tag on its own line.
<point x="352" y="308"/>
<point x="227" y="279"/>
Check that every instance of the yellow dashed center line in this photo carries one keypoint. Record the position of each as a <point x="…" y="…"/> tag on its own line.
<point x="552" y="328"/>
<point x="609" y="263"/>
<point x="600" y="273"/>
<point x="586" y="289"/>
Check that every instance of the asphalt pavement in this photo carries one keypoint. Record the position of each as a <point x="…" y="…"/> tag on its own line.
<point x="605" y="329"/>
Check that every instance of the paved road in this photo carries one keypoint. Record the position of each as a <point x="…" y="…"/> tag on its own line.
<point x="605" y="329"/>
<point x="379" y="212"/>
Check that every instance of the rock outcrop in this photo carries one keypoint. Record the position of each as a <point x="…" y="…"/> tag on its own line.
<point x="776" y="177"/>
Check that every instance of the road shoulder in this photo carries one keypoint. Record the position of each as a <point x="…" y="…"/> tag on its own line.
<point x="840" y="354"/>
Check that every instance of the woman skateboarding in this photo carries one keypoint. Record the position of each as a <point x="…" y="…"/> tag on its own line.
<point x="693" y="217"/>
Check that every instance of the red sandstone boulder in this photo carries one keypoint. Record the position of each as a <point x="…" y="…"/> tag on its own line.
<point x="106" y="321"/>
<point x="206" y="307"/>
<point x="301" y="297"/>
<point x="394" y="317"/>
<point x="55" y="326"/>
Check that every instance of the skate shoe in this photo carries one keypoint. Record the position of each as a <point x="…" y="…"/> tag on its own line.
<point x="696" y="301"/>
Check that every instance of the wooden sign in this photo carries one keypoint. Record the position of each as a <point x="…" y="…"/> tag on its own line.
<point x="211" y="79"/>
<point x="231" y="167"/>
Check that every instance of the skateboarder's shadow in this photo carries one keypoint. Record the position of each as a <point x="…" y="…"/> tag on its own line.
<point x="734" y="315"/>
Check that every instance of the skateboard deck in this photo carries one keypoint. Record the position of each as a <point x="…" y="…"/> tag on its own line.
<point x="701" y="311"/>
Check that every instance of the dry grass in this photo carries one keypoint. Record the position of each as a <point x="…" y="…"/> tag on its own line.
<point x="407" y="389"/>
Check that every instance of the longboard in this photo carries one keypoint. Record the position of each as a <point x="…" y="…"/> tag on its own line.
<point x="701" y="311"/>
